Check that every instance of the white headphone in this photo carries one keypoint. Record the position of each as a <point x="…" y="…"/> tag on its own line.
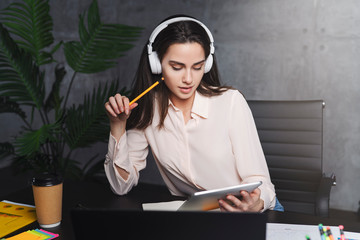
<point x="155" y="64"/>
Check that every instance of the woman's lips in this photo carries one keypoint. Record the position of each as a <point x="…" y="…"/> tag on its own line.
<point x="185" y="89"/>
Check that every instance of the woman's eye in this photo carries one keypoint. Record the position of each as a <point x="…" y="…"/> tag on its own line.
<point x="197" y="68"/>
<point x="176" y="68"/>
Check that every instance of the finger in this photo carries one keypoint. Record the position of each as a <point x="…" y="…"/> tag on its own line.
<point x="252" y="200"/>
<point x="119" y="101"/>
<point x="255" y="195"/>
<point x="126" y="104"/>
<point x="256" y="192"/>
<point x="245" y="204"/>
<point x="246" y="197"/>
<point x="234" y="200"/>
<point x="132" y="106"/>
<point x="109" y="109"/>
<point x="221" y="208"/>
<point x="114" y="105"/>
<point x="225" y="206"/>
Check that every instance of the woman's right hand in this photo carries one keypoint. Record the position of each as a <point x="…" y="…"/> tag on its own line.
<point x="118" y="109"/>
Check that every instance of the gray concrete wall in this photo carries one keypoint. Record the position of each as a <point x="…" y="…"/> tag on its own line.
<point x="268" y="49"/>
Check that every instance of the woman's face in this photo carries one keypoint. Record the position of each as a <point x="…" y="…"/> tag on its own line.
<point x="183" y="68"/>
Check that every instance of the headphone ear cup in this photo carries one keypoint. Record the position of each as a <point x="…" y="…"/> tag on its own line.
<point x="154" y="62"/>
<point x="208" y="63"/>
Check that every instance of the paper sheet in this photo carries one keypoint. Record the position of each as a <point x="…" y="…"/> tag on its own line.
<point x="163" y="206"/>
<point x="14" y="216"/>
<point x="279" y="231"/>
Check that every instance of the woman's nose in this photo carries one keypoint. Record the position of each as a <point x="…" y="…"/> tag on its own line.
<point x="187" y="78"/>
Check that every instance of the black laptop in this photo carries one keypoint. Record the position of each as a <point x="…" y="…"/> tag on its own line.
<point x="136" y="224"/>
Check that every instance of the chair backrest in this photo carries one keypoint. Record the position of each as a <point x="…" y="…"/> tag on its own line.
<point x="291" y="136"/>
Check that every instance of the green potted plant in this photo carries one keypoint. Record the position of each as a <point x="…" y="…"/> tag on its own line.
<point x="26" y="51"/>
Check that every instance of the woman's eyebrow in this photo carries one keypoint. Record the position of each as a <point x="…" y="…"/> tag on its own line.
<point x="183" y="64"/>
<point x="176" y="62"/>
<point x="202" y="61"/>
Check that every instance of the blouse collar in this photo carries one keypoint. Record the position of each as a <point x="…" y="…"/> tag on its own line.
<point x="200" y="106"/>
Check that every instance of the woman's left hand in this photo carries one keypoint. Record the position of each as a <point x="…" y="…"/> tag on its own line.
<point x="250" y="202"/>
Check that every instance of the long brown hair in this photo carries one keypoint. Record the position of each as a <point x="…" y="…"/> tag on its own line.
<point x="178" y="32"/>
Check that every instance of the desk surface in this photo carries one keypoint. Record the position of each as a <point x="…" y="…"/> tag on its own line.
<point x="96" y="195"/>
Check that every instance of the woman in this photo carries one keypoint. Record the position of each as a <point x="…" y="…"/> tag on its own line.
<point x="202" y="135"/>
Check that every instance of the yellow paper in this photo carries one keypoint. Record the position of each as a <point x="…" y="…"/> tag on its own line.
<point x="25" y="236"/>
<point x="14" y="216"/>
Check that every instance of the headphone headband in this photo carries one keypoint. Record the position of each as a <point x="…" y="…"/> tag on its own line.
<point x="154" y="61"/>
<point x="164" y="24"/>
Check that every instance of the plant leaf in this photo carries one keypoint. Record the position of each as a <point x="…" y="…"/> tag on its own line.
<point x="87" y="123"/>
<point x="54" y="100"/>
<point x="20" y="78"/>
<point x="8" y="106"/>
<point x="100" y="45"/>
<point x="38" y="163"/>
<point x="6" y="149"/>
<point x="32" y="24"/>
<point x="29" y="143"/>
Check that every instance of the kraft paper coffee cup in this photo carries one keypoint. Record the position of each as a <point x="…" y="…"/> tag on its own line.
<point x="47" y="190"/>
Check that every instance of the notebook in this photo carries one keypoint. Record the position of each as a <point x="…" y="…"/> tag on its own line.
<point x="136" y="224"/>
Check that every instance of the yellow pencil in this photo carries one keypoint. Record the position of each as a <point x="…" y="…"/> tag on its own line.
<point x="143" y="93"/>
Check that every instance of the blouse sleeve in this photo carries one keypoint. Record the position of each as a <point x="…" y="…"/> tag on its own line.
<point x="250" y="160"/>
<point x="130" y="154"/>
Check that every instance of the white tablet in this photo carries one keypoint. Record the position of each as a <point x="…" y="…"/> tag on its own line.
<point x="208" y="200"/>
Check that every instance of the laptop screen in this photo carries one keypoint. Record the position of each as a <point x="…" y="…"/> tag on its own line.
<point x="123" y="224"/>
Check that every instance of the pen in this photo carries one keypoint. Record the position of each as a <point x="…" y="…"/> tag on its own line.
<point x="322" y="233"/>
<point x="342" y="235"/>
<point x="328" y="232"/>
<point x="143" y="93"/>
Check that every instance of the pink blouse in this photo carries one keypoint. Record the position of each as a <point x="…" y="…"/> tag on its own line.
<point x="218" y="147"/>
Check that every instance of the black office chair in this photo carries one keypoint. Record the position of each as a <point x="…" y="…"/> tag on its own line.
<point x="291" y="134"/>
